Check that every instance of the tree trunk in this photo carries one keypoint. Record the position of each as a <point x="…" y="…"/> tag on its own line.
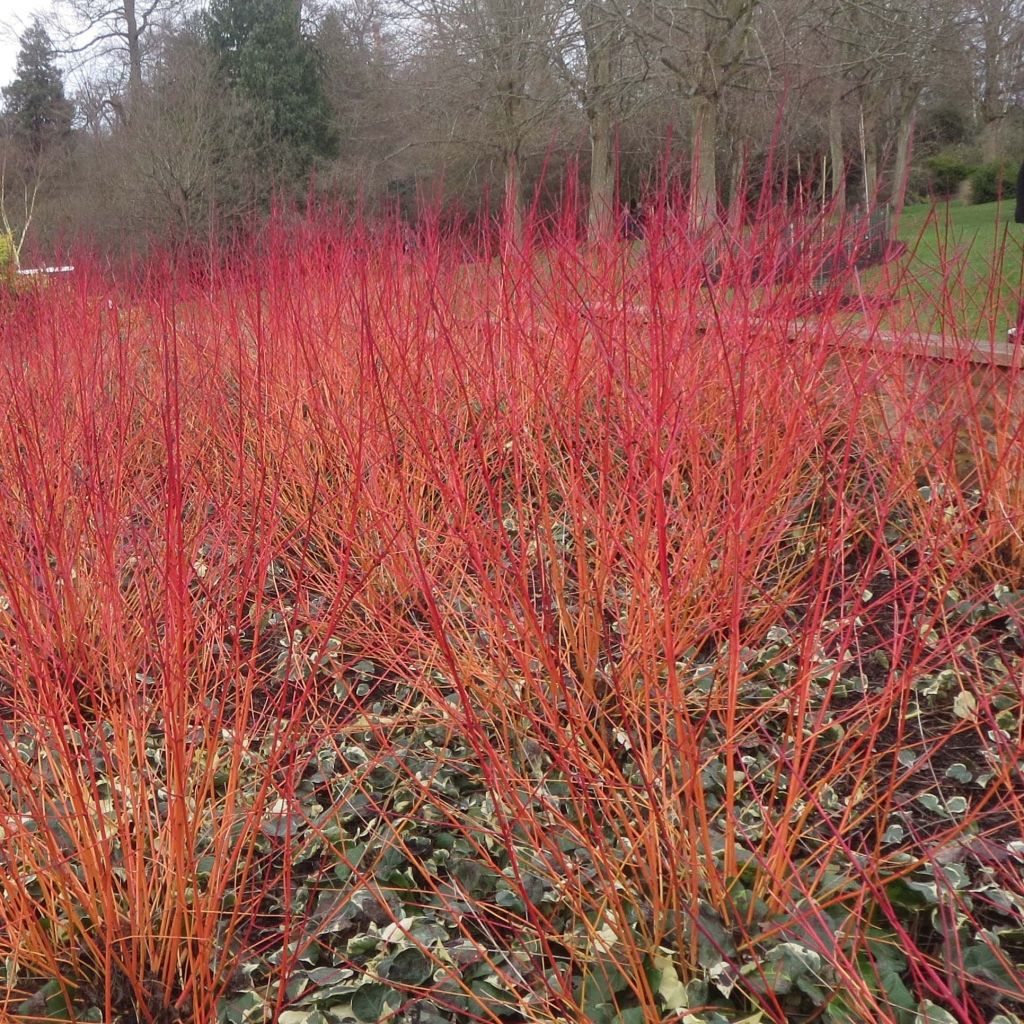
<point x="704" y="193"/>
<point x="599" y="43"/>
<point x="601" y="205"/>
<point x="869" y="160"/>
<point x="513" y="198"/>
<point x="992" y="108"/>
<point x="513" y="141"/>
<point x="133" y="37"/>
<point x="737" y="186"/>
<point x="870" y="174"/>
<point x="836" y="155"/>
<point x="992" y="140"/>
<point x="901" y="164"/>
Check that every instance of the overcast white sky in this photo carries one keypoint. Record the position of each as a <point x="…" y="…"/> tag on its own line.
<point x="14" y="15"/>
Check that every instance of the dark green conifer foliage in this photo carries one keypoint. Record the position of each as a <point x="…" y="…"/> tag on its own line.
<point x="37" y="111"/>
<point x="265" y="57"/>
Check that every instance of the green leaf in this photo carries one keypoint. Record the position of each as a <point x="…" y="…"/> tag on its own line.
<point x="329" y="985"/>
<point x="248" y="1006"/>
<point x="894" y="833"/>
<point x="509" y="900"/>
<point x="48" y="1003"/>
<point x="930" y="1013"/>
<point x="885" y="950"/>
<point x="359" y="945"/>
<point x="633" y="1015"/>
<point x="882" y="973"/>
<point x="425" y="1012"/>
<point x="906" y="895"/>
<point x="789" y="961"/>
<point x="610" y="1013"/>
<point x="277" y="826"/>
<point x="476" y="879"/>
<point x="929" y="890"/>
<point x="667" y="984"/>
<point x="599" y="1013"/>
<point x="896" y="993"/>
<point x="493" y="1000"/>
<point x="602" y="982"/>
<point x="965" y="705"/>
<point x="839" y="1011"/>
<point x="368" y="1002"/>
<point x="981" y="961"/>
<point x="408" y="967"/>
<point x="713" y="942"/>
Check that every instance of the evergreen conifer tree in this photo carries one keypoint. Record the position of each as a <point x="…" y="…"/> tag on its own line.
<point x="38" y="113"/>
<point x="265" y="57"/>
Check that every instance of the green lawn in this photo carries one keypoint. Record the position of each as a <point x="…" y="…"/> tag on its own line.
<point x="964" y="266"/>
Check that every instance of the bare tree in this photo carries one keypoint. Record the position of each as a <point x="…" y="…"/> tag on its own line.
<point x="994" y="33"/>
<point x="486" y="95"/>
<point x="704" y="46"/>
<point x="187" y="148"/>
<point x="489" y="61"/>
<point x="116" y="34"/>
<point x="879" y="57"/>
<point x="922" y="31"/>
<point x="360" y="60"/>
<point x="25" y="176"/>
<point x="596" y="54"/>
<point x="16" y="215"/>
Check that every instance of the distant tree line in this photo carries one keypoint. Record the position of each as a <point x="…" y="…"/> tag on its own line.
<point x="138" y="121"/>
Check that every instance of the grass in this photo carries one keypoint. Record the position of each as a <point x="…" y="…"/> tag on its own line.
<point x="381" y="640"/>
<point x="970" y="256"/>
